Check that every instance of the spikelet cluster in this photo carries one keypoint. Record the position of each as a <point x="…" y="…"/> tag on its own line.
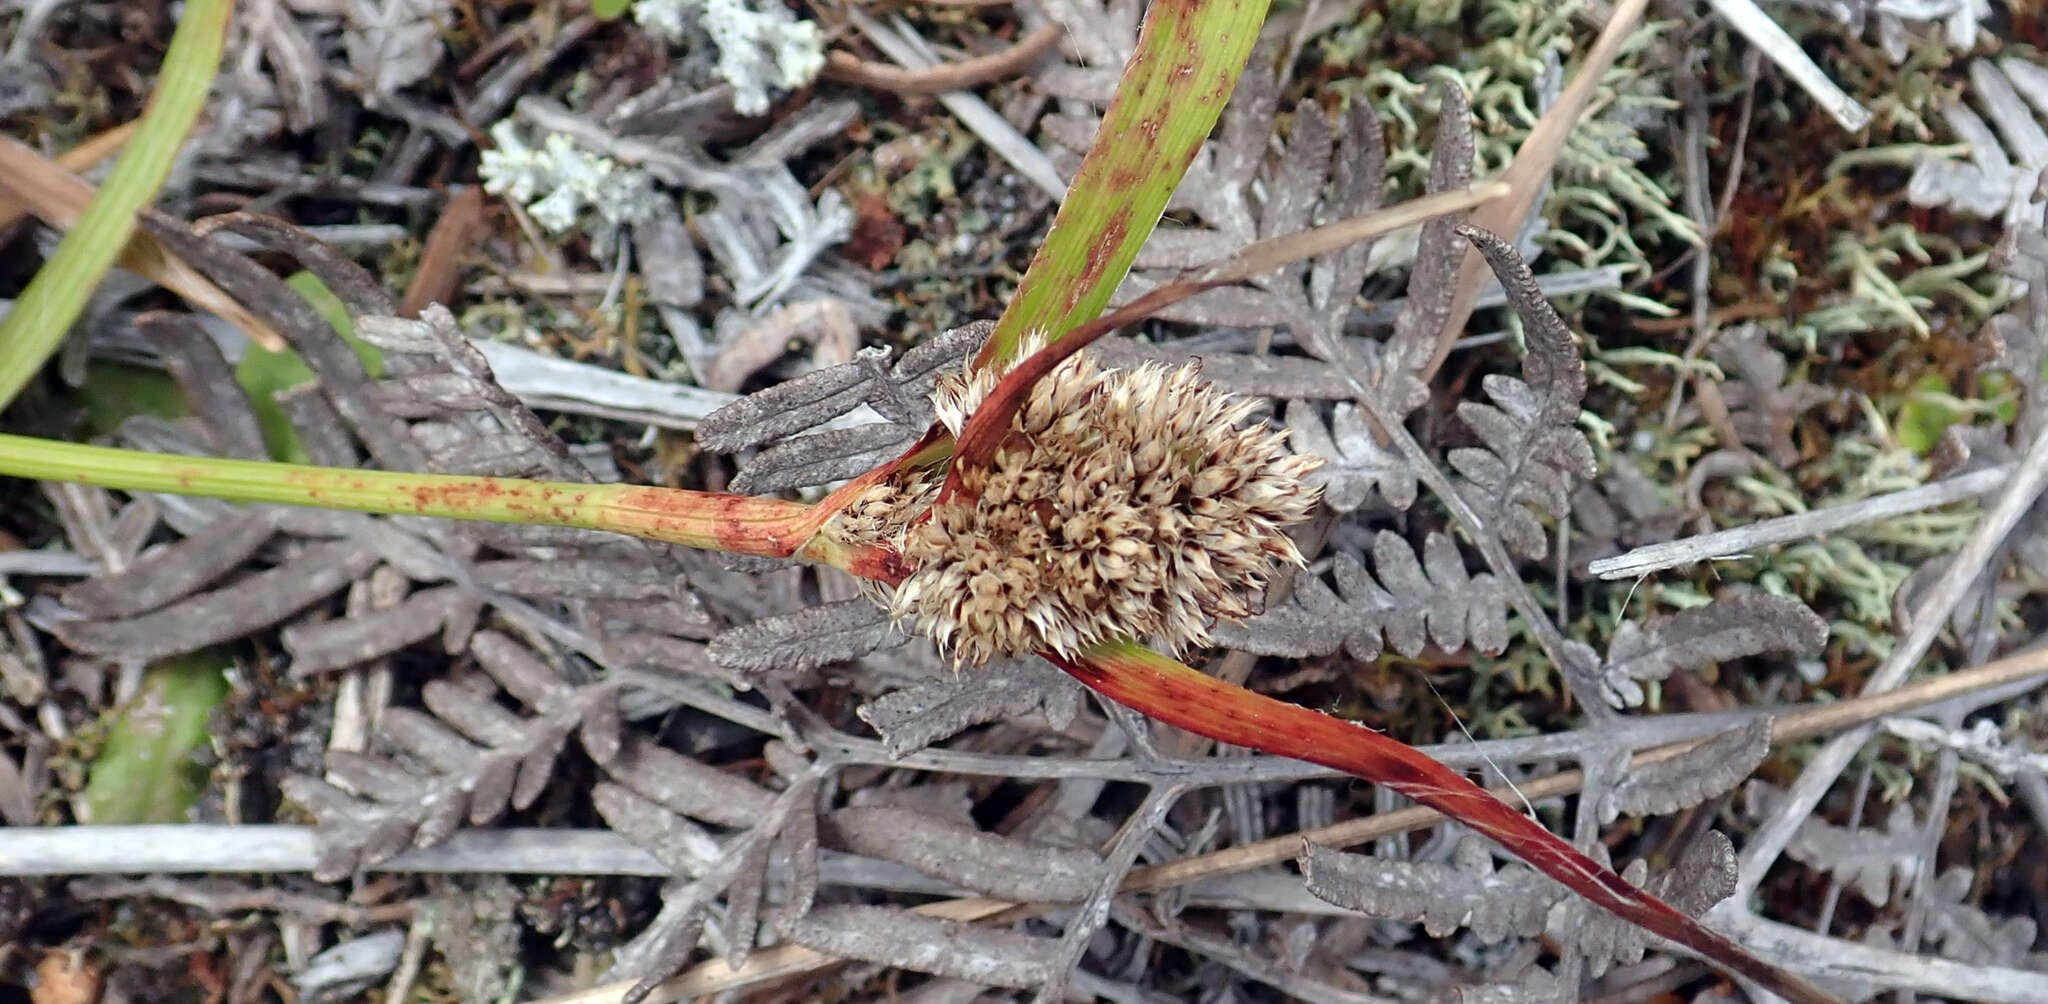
<point x="1124" y="503"/>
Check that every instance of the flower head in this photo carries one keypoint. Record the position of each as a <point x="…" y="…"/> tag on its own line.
<point x="1124" y="502"/>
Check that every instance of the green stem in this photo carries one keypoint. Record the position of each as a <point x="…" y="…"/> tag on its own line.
<point x="734" y="523"/>
<point x="53" y="299"/>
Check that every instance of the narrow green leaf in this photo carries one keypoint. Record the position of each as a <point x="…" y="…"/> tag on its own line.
<point x="147" y="771"/>
<point x="30" y="332"/>
<point x="115" y="392"/>
<point x="1189" y="56"/>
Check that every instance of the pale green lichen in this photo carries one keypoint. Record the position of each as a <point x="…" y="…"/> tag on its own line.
<point x="761" y="47"/>
<point x="559" y="182"/>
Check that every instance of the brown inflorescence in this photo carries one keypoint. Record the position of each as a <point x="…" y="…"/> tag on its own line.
<point x="1124" y="503"/>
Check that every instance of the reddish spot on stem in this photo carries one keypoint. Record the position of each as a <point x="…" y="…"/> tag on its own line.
<point x="880" y="564"/>
<point x="456" y="496"/>
<point x="1104" y="248"/>
<point x="1187" y="22"/>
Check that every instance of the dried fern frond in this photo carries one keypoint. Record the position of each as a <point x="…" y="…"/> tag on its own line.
<point x="736" y="869"/>
<point x="1966" y="933"/>
<point x="1708" y="770"/>
<point x="2017" y="340"/>
<point x="1763" y="408"/>
<point x="917" y="716"/>
<point x="900" y="394"/>
<point x="470" y="759"/>
<point x="1356" y="464"/>
<point x="987" y="863"/>
<point x="1704" y="874"/>
<point x="1863" y="859"/>
<point x="1532" y="446"/>
<point x="1999" y="177"/>
<point x="1514" y="901"/>
<point x="1732" y="627"/>
<point x="907" y="940"/>
<point x="1411" y="603"/>
<point x="805" y="639"/>
<point x="250" y="604"/>
<point x="1467" y="892"/>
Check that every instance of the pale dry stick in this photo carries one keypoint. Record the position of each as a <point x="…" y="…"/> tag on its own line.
<point x="997" y="132"/>
<point x="258" y="849"/>
<point x="848" y="68"/>
<point x="1883" y="968"/>
<point x="789" y="960"/>
<point x="1532" y="165"/>
<point x="1738" y="541"/>
<point x="1929" y="616"/>
<point x="1749" y="19"/>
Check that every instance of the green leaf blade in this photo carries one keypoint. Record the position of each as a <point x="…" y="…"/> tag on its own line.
<point x="44" y="313"/>
<point x="1189" y="56"/>
<point x="147" y="771"/>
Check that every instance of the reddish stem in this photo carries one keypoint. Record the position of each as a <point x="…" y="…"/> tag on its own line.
<point x="1177" y="695"/>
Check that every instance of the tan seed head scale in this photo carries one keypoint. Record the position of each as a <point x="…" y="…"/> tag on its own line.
<point x="1126" y="503"/>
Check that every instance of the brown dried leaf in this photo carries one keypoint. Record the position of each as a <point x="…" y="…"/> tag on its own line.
<point x="1533" y="448"/>
<point x="990" y="864"/>
<point x="1706" y="771"/>
<point x="907" y="940"/>
<point x="1732" y="627"/>
<point x="683" y="785"/>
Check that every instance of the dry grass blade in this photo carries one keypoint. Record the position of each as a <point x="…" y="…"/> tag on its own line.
<point x="1532" y="165"/>
<point x="58" y="198"/>
<point x="82" y="157"/>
